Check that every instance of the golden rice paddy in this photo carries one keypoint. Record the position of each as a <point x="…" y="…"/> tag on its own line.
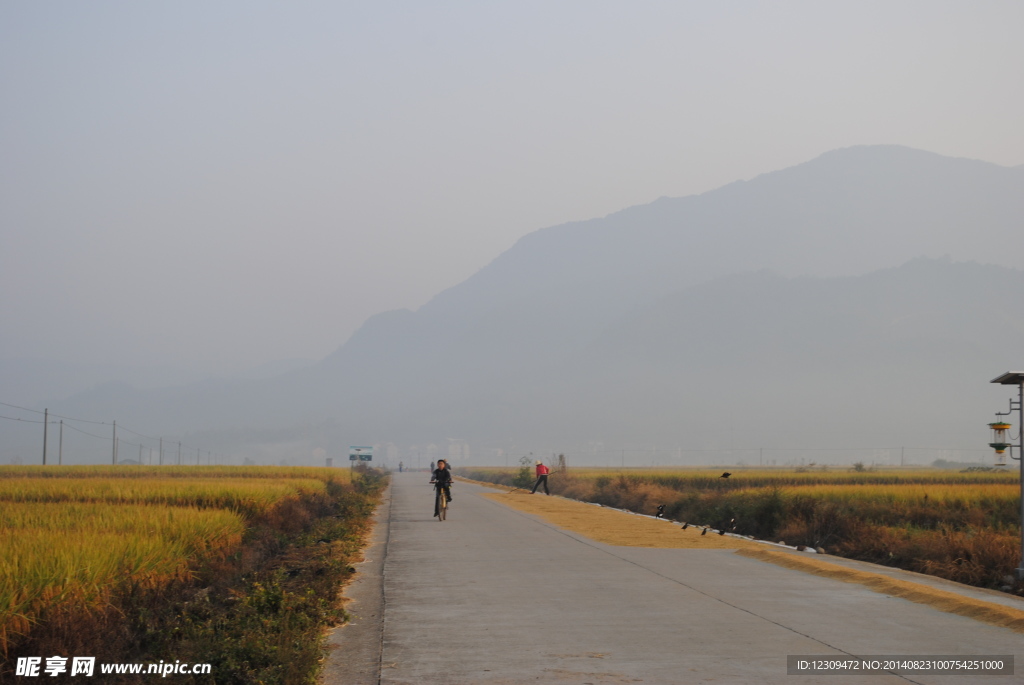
<point x="247" y="495"/>
<point x="759" y="477"/>
<point x="71" y="536"/>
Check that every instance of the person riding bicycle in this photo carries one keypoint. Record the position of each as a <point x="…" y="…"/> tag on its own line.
<point x="442" y="478"/>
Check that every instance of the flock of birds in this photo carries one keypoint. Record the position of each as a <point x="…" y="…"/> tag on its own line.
<point x="721" y="531"/>
<point x="731" y="526"/>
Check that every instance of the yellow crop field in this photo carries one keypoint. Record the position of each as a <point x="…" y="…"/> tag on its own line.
<point x="55" y="555"/>
<point x="71" y="537"/>
<point x="245" y="495"/>
<point x="189" y="472"/>
<point x="760" y="477"/>
<point x="973" y="494"/>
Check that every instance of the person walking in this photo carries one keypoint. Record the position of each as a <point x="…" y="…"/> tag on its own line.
<point x="542" y="477"/>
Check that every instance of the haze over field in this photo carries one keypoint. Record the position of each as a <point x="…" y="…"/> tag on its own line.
<point x="205" y="203"/>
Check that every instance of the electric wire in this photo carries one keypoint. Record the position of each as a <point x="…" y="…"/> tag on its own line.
<point x="91" y="435"/>
<point x="69" y="419"/>
<point x="6" y="404"/>
<point x="141" y="435"/>
<point x="11" y="418"/>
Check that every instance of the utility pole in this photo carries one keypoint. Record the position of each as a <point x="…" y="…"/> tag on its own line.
<point x="113" y="454"/>
<point x="140" y="454"/>
<point x="179" y="453"/>
<point x="161" y="451"/>
<point x="46" y="423"/>
<point x="1017" y="378"/>
<point x="60" y="448"/>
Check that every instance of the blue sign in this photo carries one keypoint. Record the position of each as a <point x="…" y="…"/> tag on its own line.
<point x="356" y="453"/>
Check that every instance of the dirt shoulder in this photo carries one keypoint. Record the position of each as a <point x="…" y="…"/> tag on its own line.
<point x="615" y="527"/>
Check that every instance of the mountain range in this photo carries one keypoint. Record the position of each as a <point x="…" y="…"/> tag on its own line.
<point x="861" y="299"/>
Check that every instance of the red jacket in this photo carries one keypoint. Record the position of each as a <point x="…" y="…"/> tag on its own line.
<point x="542" y="470"/>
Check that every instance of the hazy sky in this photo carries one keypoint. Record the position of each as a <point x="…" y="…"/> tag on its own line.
<point x="220" y="184"/>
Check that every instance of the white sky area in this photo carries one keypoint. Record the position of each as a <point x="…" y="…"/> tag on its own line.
<point x="221" y="184"/>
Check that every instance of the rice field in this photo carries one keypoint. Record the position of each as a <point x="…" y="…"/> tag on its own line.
<point x="782" y="477"/>
<point x="73" y="537"/>
<point x="246" y="496"/>
<point x="324" y="474"/>
<point x="59" y="555"/>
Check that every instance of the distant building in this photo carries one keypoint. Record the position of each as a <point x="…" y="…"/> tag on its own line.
<point x="458" y="449"/>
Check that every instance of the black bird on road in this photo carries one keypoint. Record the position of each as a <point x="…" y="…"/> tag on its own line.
<point x="704" y="532"/>
<point x="685" y="525"/>
<point x="725" y="475"/>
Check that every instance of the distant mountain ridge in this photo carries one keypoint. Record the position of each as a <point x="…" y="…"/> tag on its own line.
<point x="847" y="212"/>
<point x="774" y="221"/>
<point x="648" y="324"/>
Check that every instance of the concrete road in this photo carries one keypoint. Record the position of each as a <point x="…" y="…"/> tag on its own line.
<point x="493" y="595"/>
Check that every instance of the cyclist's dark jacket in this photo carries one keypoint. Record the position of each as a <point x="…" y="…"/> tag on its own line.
<point x="443" y="477"/>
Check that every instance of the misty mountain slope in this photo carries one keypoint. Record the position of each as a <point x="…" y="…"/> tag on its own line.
<point x="874" y="354"/>
<point x="846" y="212"/>
<point x="920" y="306"/>
<point x="660" y="321"/>
<point x="884" y="356"/>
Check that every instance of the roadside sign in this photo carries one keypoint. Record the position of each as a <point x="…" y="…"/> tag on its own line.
<point x="358" y="453"/>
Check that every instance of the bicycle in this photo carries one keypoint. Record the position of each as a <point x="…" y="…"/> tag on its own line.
<point x="440" y="502"/>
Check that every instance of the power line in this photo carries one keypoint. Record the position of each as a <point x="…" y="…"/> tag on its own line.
<point x="141" y="435"/>
<point x="66" y="418"/>
<point x="50" y="418"/>
<point x="98" y="437"/>
<point x="120" y="440"/>
<point x="71" y="418"/>
<point x="34" y="411"/>
<point x="11" y="418"/>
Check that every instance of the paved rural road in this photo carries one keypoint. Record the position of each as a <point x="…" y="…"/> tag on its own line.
<point x="493" y="595"/>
